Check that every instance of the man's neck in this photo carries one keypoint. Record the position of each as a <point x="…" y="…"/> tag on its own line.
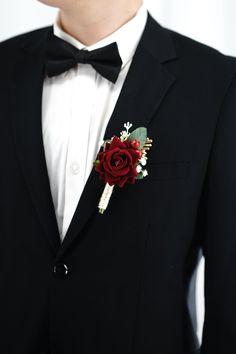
<point x="90" y="22"/>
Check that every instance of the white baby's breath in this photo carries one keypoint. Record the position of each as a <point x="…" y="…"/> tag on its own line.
<point x="127" y="126"/>
<point x="138" y="168"/>
<point x="143" y="161"/>
<point x="145" y="173"/>
<point x="124" y="134"/>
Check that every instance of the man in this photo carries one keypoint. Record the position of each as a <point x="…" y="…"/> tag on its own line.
<point x="76" y="281"/>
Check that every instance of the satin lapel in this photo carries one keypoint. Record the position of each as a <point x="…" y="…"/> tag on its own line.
<point x="145" y="87"/>
<point x="26" y="123"/>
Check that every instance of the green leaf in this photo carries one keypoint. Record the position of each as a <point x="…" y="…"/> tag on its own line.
<point x="139" y="134"/>
<point x="140" y="176"/>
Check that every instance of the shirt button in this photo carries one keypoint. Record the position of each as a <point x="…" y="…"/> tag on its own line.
<point x="75" y="168"/>
<point x="60" y="270"/>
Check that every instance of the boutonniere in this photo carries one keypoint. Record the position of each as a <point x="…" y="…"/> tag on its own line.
<point x="122" y="161"/>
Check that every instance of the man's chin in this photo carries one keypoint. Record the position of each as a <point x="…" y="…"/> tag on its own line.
<point x="52" y="3"/>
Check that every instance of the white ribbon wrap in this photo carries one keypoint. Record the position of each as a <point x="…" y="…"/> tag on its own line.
<point x="104" y="200"/>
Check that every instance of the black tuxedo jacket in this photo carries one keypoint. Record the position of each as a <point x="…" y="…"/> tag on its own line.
<point x="119" y="282"/>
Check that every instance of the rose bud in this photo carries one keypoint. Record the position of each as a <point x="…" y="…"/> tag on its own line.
<point x="135" y="144"/>
<point x="139" y="154"/>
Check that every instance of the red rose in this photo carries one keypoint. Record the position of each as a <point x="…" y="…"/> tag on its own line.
<point x="117" y="164"/>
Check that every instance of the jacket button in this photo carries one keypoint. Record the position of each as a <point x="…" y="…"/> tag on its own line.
<point x="60" y="270"/>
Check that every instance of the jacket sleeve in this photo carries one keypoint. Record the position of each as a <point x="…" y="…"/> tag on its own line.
<point x="219" y="234"/>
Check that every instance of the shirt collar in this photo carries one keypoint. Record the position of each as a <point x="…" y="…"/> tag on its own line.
<point x="127" y="36"/>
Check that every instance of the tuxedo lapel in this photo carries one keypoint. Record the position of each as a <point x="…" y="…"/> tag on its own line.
<point x="26" y="105"/>
<point x="147" y="83"/>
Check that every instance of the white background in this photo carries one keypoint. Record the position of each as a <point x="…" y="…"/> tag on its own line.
<point x="209" y="21"/>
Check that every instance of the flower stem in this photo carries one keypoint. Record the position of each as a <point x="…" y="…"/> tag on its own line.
<point x="105" y="198"/>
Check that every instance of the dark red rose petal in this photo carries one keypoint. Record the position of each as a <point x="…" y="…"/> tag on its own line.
<point x="117" y="164"/>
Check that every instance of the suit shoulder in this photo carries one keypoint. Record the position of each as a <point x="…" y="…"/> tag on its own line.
<point x="201" y="55"/>
<point x="12" y="49"/>
<point x="21" y="40"/>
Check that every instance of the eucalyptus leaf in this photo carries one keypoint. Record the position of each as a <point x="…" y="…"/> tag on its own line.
<point x="140" y="176"/>
<point x="139" y="134"/>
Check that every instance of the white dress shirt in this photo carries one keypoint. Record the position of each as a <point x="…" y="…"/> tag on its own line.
<point x="76" y="108"/>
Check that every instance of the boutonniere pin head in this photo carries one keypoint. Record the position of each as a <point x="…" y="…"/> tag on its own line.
<point x="122" y="161"/>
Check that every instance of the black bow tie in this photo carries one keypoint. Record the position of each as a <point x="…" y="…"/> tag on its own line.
<point x="62" y="56"/>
